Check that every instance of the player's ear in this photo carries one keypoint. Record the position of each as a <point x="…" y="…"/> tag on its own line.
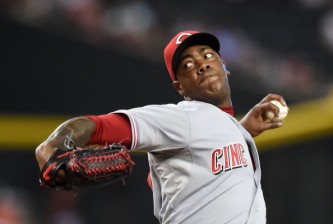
<point x="178" y="87"/>
<point x="225" y="68"/>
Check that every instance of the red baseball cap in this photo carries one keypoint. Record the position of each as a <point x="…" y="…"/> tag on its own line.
<point x="183" y="40"/>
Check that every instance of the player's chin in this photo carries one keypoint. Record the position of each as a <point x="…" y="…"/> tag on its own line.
<point x="214" y="89"/>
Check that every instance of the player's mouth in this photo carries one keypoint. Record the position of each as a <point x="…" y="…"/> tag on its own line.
<point x="207" y="79"/>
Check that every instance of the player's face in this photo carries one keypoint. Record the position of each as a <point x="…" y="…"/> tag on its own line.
<point x="201" y="76"/>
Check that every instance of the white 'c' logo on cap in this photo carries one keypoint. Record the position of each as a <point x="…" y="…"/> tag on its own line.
<point x="180" y="36"/>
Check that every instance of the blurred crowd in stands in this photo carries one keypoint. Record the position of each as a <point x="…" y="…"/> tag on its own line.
<point x="17" y="207"/>
<point x="283" y="46"/>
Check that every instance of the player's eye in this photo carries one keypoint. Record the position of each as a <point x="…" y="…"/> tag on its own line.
<point x="188" y="65"/>
<point x="209" y="55"/>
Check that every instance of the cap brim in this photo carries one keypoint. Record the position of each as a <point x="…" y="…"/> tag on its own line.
<point x="195" y="39"/>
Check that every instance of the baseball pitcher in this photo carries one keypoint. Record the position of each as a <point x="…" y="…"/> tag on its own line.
<point x="204" y="164"/>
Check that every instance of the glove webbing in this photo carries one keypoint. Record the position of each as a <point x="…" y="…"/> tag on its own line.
<point x="96" y="165"/>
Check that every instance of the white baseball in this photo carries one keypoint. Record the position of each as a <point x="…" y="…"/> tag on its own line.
<point x="283" y="112"/>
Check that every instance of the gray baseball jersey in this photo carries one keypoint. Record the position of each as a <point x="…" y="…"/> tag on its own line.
<point x="200" y="161"/>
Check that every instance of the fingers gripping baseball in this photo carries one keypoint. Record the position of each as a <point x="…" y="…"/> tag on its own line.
<point x="274" y="108"/>
<point x="257" y="121"/>
<point x="264" y="108"/>
<point x="272" y="96"/>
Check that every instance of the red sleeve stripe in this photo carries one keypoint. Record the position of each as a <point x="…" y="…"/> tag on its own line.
<point x="134" y="132"/>
<point x="111" y="128"/>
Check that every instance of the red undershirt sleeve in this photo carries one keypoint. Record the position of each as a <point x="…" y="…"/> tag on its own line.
<point x="111" y="128"/>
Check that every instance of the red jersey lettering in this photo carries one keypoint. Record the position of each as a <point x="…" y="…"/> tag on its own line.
<point x="228" y="158"/>
<point x="216" y="166"/>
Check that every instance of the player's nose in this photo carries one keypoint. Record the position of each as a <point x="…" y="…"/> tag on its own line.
<point x="203" y="67"/>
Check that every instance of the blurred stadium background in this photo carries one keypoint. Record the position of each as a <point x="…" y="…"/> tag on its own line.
<point x="65" y="58"/>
